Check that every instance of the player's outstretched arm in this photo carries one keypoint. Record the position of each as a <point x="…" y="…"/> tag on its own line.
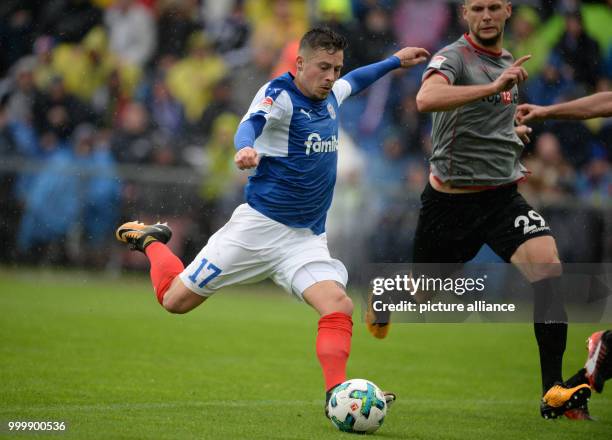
<point x="363" y="77"/>
<point x="594" y="106"/>
<point x="411" y="56"/>
<point x="436" y="94"/>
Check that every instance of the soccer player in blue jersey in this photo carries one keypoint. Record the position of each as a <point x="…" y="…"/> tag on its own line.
<point x="290" y="134"/>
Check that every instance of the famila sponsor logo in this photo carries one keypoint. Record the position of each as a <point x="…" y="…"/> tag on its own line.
<point x="314" y="144"/>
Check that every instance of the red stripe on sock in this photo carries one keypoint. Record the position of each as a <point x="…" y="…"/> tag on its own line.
<point x="165" y="266"/>
<point x="334" y="347"/>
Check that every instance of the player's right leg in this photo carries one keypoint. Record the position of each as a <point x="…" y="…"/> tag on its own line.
<point x="333" y="344"/>
<point x="335" y="330"/>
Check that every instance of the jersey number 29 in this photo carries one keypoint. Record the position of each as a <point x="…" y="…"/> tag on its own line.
<point x="523" y="220"/>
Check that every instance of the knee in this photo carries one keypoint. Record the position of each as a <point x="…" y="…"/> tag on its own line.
<point x="546" y="266"/>
<point x="538" y="259"/>
<point x="328" y="297"/>
<point x="179" y="299"/>
<point x="543" y="271"/>
<point x="548" y="257"/>
<point x="343" y="303"/>
<point x="172" y="305"/>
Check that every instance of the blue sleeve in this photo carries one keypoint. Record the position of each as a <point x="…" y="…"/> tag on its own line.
<point x="248" y="131"/>
<point x="362" y="77"/>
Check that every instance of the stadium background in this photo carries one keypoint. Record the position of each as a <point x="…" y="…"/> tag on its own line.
<point x="127" y="109"/>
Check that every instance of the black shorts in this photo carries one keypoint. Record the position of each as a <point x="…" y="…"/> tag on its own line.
<point x="453" y="227"/>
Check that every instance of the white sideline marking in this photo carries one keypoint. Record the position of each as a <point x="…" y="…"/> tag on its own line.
<point x="249" y="403"/>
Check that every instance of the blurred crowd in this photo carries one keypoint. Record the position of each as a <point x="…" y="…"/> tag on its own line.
<point x="87" y="86"/>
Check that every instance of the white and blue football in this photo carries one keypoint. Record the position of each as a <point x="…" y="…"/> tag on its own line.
<point x="357" y="405"/>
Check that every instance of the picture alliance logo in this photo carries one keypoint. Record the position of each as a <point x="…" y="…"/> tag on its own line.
<point x="314" y="144"/>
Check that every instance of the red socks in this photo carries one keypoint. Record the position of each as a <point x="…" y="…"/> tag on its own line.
<point x="165" y="266"/>
<point x="334" y="346"/>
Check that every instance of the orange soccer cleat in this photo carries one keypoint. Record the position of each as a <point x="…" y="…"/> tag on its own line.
<point x="138" y="235"/>
<point x="558" y="400"/>
<point x="378" y="323"/>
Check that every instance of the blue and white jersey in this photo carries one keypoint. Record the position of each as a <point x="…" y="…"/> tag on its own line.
<point x="297" y="139"/>
<point x="295" y="179"/>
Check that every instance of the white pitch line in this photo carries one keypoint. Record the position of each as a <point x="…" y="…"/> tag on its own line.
<point x="247" y="403"/>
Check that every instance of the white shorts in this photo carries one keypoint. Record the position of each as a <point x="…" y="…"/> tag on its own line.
<point x="252" y="247"/>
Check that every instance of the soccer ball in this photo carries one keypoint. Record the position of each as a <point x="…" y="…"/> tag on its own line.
<point x="357" y="405"/>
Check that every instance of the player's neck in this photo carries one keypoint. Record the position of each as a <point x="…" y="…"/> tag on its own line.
<point x="490" y="47"/>
<point x="302" y="89"/>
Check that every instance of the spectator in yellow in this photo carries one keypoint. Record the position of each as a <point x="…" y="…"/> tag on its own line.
<point x="87" y="66"/>
<point x="44" y="72"/>
<point x="219" y="180"/>
<point x="277" y="21"/>
<point x="531" y="36"/>
<point x="191" y="79"/>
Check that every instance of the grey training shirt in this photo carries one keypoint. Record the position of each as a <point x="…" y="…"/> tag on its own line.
<point x="475" y="145"/>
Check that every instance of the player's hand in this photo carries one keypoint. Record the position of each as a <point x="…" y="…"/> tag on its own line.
<point x="512" y="76"/>
<point x="246" y="158"/>
<point x="523" y="132"/>
<point x="411" y="56"/>
<point x="529" y="112"/>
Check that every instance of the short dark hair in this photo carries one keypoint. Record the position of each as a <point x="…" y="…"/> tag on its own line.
<point x="323" y="38"/>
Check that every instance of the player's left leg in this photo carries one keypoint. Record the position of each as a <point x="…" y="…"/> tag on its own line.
<point x="151" y="240"/>
<point x="179" y="298"/>
<point x="538" y="260"/>
<point x="519" y="234"/>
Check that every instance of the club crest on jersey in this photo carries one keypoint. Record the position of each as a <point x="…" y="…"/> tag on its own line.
<point x="436" y="62"/>
<point x="314" y="144"/>
<point x="265" y="105"/>
<point x="330" y="109"/>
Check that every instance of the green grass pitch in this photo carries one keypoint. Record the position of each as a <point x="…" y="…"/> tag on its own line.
<point x="104" y="357"/>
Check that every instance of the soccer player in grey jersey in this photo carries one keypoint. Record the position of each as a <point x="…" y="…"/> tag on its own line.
<point x="470" y="87"/>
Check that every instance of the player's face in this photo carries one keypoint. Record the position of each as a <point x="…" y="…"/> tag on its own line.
<point x="486" y="19"/>
<point x="317" y="71"/>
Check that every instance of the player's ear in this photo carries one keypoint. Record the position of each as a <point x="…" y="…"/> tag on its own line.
<point x="508" y="10"/>
<point x="299" y="62"/>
